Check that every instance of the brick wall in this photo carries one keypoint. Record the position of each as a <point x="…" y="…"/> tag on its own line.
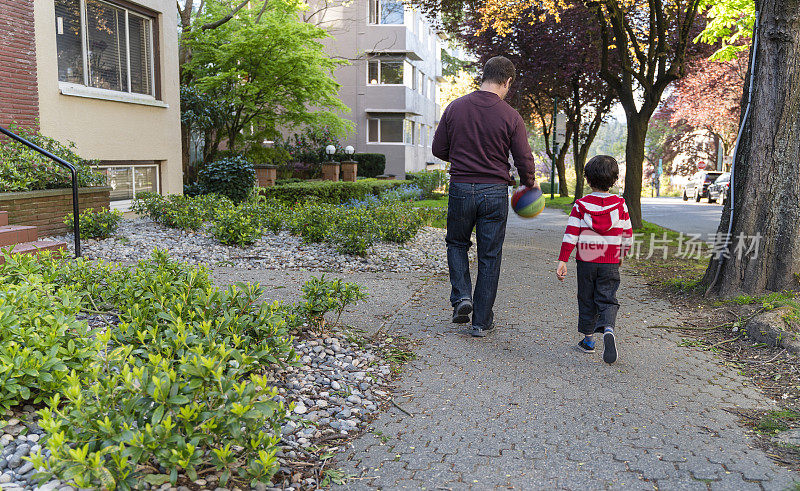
<point x="47" y="209"/>
<point x="19" y="100"/>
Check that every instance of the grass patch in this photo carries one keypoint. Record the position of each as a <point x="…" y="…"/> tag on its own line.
<point x="563" y="203"/>
<point x="437" y="211"/>
<point x="432" y="203"/>
<point x="774" y="422"/>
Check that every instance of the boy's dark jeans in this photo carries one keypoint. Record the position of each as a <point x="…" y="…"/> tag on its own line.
<point x="485" y="208"/>
<point x="597" y="296"/>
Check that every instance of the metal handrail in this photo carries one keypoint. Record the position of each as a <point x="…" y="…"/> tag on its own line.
<point x="75" y="208"/>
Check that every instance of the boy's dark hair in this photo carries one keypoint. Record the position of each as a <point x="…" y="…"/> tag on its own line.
<point x="602" y="171"/>
<point x="498" y="70"/>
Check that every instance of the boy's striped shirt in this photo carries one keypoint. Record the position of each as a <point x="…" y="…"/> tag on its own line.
<point x="600" y="227"/>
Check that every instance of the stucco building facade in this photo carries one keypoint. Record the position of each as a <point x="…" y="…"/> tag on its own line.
<point x="391" y="81"/>
<point x="102" y="74"/>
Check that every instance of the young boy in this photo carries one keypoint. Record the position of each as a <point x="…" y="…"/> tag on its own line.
<point x="600" y="227"/>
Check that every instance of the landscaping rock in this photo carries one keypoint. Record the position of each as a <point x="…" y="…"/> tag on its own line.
<point x="774" y="329"/>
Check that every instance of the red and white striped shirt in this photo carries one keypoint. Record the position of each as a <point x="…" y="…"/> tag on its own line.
<point x="600" y="227"/>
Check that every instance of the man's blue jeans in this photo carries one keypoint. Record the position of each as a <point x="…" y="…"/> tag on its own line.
<point x="483" y="207"/>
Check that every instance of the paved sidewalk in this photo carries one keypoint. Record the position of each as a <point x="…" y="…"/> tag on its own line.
<point x="521" y="409"/>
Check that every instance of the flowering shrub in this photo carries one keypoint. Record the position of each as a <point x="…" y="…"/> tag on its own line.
<point x="23" y="169"/>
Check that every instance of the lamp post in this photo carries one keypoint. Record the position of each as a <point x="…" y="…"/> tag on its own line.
<point x="349" y="167"/>
<point x="330" y="169"/>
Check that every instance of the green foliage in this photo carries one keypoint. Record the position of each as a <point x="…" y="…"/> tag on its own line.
<point x="311" y="221"/>
<point x="98" y="224"/>
<point x="41" y="341"/>
<point x="354" y="231"/>
<point x="731" y="22"/>
<point x="329" y="191"/>
<point x="175" y="383"/>
<point x="259" y="155"/>
<point x="370" y="164"/>
<point x="281" y="58"/>
<point x="774" y="422"/>
<point x="176" y="211"/>
<point x="23" y="169"/>
<point x="429" y="181"/>
<point x="232" y="176"/>
<point x="398" y="222"/>
<point x="321" y="296"/>
<point x="238" y="226"/>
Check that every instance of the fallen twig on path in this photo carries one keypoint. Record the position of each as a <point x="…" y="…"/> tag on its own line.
<point x="726" y="341"/>
<point x="400" y="407"/>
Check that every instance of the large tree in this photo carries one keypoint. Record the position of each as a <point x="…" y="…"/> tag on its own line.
<point x="263" y="68"/>
<point x="555" y="57"/>
<point x="766" y="188"/>
<point x="644" y="47"/>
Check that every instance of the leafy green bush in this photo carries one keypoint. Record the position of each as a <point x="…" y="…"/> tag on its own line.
<point x="321" y="296"/>
<point x="370" y="164"/>
<point x="353" y="232"/>
<point x="237" y="226"/>
<point x="429" y="181"/>
<point x="311" y="221"/>
<point x="98" y="224"/>
<point x="177" y="382"/>
<point x="40" y="339"/>
<point x="232" y="176"/>
<point x="398" y="222"/>
<point x="178" y="211"/>
<point x="23" y="169"/>
<point x="329" y="191"/>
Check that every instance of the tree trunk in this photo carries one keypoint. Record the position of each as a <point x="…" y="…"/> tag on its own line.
<point x="563" y="186"/>
<point x="579" y="165"/>
<point x="634" y="159"/>
<point x="766" y="188"/>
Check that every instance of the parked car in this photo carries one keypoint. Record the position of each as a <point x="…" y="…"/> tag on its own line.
<point x="718" y="190"/>
<point x="697" y="187"/>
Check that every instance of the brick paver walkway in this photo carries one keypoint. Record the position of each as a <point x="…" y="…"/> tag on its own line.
<point x="521" y="409"/>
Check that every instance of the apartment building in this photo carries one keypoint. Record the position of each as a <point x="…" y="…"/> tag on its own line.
<point x="102" y="74"/>
<point x="391" y="81"/>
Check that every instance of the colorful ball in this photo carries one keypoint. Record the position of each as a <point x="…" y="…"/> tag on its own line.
<point x="527" y="202"/>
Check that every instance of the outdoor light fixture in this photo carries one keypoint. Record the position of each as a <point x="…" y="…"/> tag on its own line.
<point x="349" y="150"/>
<point x="330" y="150"/>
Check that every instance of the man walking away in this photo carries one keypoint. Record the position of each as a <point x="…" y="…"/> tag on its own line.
<point x="476" y="134"/>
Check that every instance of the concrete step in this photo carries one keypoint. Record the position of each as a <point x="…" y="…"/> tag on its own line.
<point x="3" y="218"/>
<point x="17" y="234"/>
<point x="35" y="247"/>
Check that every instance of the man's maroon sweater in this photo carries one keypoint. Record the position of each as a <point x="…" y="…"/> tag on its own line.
<point x="476" y="134"/>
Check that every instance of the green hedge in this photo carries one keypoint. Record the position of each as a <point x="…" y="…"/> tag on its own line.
<point x="370" y="164"/>
<point x="329" y="191"/>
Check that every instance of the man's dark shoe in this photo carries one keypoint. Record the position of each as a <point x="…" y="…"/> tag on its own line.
<point x="585" y="347"/>
<point x="479" y="332"/>
<point x="609" y="347"/>
<point x="461" y="312"/>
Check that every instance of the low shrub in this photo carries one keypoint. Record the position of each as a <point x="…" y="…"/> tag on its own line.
<point x="329" y="191"/>
<point x="176" y="384"/>
<point x="232" y="176"/>
<point x="429" y="181"/>
<point x="239" y="226"/>
<point x="353" y="232"/>
<point x="98" y="224"/>
<point x="398" y="222"/>
<point x="321" y="296"/>
<point x="176" y="211"/>
<point x="370" y="164"/>
<point x="311" y="221"/>
<point x="23" y="169"/>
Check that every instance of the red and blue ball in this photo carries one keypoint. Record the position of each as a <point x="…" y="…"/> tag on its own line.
<point x="527" y="202"/>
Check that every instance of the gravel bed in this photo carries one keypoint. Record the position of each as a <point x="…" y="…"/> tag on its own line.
<point x="136" y="239"/>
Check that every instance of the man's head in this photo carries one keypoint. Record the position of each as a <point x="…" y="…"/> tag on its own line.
<point x="602" y="172"/>
<point x="498" y="73"/>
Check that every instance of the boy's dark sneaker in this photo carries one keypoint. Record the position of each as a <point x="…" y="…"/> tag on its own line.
<point x="479" y="332"/>
<point x="585" y="347"/>
<point x="461" y="312"/>
<point x="609" y="347"/>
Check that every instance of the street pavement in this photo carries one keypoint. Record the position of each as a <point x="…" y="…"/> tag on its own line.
<point x="683" y="216"/>
<point x="523" y="409"/>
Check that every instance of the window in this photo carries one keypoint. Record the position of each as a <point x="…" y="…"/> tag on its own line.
<point x="385" y="130"/>
<point x="386" y="12"/>
<point x="126" y="180"/>
<point x="421" y="82"/>
<point x="385" y="72"/>
<point x="408" y="130"/>
<point x="106" y="46"/>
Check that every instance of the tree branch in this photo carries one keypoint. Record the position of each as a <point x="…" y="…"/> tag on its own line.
<point x="217" y="23"/>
